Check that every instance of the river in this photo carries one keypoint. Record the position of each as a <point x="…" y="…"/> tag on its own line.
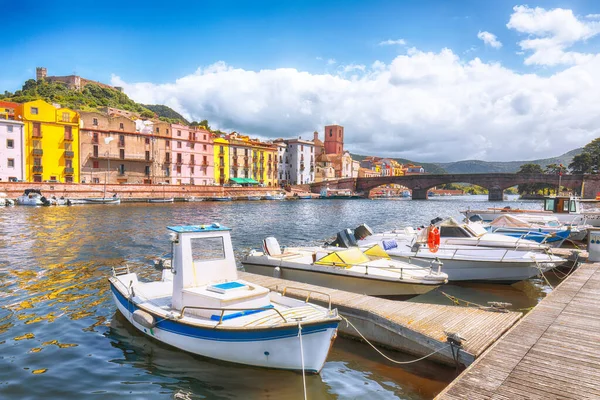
<point x="61" y="338"/>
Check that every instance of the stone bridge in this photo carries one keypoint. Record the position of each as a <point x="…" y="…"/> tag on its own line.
<point x="495" y="183"/>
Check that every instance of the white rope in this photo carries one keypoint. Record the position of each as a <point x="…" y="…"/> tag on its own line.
<point x="542" y="272"/>
<point x="386" y="357"/>
<point x="302" y="358"/>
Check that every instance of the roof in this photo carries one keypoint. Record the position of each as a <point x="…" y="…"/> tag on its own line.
<point x="198" y="228"/>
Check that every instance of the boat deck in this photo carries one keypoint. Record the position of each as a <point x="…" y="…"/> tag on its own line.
<point x="553" y="353"/>
<point x="414" y="328"/>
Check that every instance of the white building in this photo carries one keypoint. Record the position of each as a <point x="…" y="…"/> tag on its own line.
<point x="11" y="150"/>
<point x="298" y="166"/>
<point x="282" y="167"/>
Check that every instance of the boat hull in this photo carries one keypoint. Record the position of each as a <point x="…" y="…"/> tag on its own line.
<point x="108" y="200"/>
<point x="170" y="200"/>
<point x="373" y="287"/>
<point x="269" y="348"/>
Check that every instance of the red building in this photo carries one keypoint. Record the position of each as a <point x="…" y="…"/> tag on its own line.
<point x="334" y="139"/>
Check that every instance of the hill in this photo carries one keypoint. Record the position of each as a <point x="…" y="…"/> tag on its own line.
<point x="90" y="98"/>
<point x="478" y="166"/>
<point x="429" y="167"/>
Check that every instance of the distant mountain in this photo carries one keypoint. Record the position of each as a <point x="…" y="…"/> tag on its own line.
<point x="429" y="167"/>
<point x="478" y="166"/>
<point x="166" y="112"/>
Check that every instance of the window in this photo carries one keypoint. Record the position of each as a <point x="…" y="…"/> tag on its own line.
<point x="9" y="128"/>
<point x="178" y="158"/>
<point x="147" y="155"/>
<point x="204" y="147"/>
<point x="179" y="169"/>
<point x="68" y="146"/>
<point x="95" y="151"/>
<point x="168" y="143"/>
<point x="204" y="160"/>
<point x="204" y="137"/>
<point x="330" y="132"/>
<point x="147" y="140"/>
<point x="66" y="117"/>
<point x="121" y="126"/>
<point x="178" y="145"/>
<point x="96" y="180"/>
<point x="95" y="165"/>
<point x="191" y="170"/>
<point x="192" y="160"/>
<point x="68" y="133"/>
<point x="95" y="137"/>
<point x="95" y="122"/>
<point x="167" y="131"/>
<point x="178" y="133"/>
<point x="207" y="249"/>
<point x="11" y="163"/>
<point x="301" y="147"/>
<point x="121" y="169"/>
<point x="167" y="157"/>
<point x="68" y="163"/>
<point x="191" y="145"/>
<point x="34" y="111"/>
<point x="122" y="154"/>
<point x="37" y="162"/>
<point x="10" y="144"/>
<point x="157" y="129"/>
<point x="69" y="179"/>
<point x="147" y="170"/>
<point x="122" y="140"/>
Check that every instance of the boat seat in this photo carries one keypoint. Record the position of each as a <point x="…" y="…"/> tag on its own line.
<point x="272" y="248"/>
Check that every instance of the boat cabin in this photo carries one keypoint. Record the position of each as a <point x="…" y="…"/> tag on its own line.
<point x="205" y="276"/>
<point x="451" y="228"/>
<point x="562" y="204"/>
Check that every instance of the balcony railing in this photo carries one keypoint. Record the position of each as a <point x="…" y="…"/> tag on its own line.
<point x="37" y="134"/>
<point x="69" y="171"/>
<point x="38" y="152"/>
<point x="69" y="137"/>
<point x="69" y="154"/>
<point x="128" y="157"/>
<point x="192" y="162"/>
<point x="38" y="168"/>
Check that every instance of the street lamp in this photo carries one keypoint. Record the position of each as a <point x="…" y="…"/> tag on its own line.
<point x="107" y="141"/>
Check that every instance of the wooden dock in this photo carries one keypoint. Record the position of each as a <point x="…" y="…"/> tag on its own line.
<point x="553" y="353"/>
<point x="414" y="328"/>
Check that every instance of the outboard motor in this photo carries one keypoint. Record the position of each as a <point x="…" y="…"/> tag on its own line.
<point x="475" y="218"/>
<point x="45" y="201"/>
<point x="362" y="231"/>
<point x="344" y="239"/>
<point x="436" y="220"/>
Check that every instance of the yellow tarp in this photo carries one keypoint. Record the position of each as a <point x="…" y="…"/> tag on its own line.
<point x="344" y="258"/>
<point x="377" y="251"/>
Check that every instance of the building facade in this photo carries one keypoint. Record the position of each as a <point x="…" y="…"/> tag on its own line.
<point x="11" y="143"/>
<point x="113" y="151"/>
<point x="51" y="142"/>
<point x="192" y="156"/>
<point x="298" y="165"/>
<point x="334" y="139"/>
<point x="252" y="159"/>
<point x="221" y="160"/>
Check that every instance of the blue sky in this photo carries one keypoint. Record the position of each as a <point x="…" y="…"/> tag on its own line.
<point x="286" y="68"/>
<point x="159" y="42"/>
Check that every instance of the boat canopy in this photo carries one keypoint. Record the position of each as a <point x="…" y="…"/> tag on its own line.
<point x="510" y="221"/>
<point x="352" y="256"/>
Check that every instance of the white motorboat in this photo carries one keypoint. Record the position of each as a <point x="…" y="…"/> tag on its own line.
<point x="32" y="197"/>
<point x="470" y="263"/>
<point x="367" y="271"/>
<point x="5" y="201"/>
<point x="99" y="200"/>
<point x="454" y="233"/>
<point x="274" y="196"/>
<point x="254" y="198"/>
<point x="201" y="306"/>
<point x="163" y="200"/>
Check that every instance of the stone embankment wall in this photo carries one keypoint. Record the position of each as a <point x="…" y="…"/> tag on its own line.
<point x="78" y="191"/>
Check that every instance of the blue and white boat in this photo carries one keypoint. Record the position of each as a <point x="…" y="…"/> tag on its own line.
<point x="201" y="306"/>
<point x="513" y="226"/>
<point x="274" y="196"/>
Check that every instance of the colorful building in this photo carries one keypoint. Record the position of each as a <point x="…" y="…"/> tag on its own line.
<point x="11" y="143"/>
<point x="334" y="139"/>
<point x="192" y="155"/>
<point x="51" y="142"/>
<point x="299" y="161"/>
<point x="221" y="160"/>
<point x="252" y="159"/>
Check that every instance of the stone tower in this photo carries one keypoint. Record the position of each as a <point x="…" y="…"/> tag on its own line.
<point x="334" y="139"/>
<point x="40" y="73"/>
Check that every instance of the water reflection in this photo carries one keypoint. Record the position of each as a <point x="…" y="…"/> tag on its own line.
<point x="59" y="336"/>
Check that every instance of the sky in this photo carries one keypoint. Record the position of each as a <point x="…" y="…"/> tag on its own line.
<point x="425" y="80"/>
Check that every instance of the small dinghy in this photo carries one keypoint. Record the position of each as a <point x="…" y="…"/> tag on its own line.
<point x="163" y="200"/>
<point x="201" y="306"/>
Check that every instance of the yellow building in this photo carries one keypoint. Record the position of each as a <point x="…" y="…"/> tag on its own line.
<point x="221" y="153"/>
<point x="264" y="161"/>
<point x="397" y="168"/>
<point x="51" y="136"/>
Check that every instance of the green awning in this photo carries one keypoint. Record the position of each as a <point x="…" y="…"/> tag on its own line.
<point x="246" y="181"/>
<point x="250" y="180"/>
<point x="238" y="180"/>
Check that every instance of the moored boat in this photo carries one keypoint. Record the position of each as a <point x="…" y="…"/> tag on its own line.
<point x="254" y="198"/>
<point x="367" y="271"/>
<point x="32" y="197"/>
<point x="201" y="306"/>
<point x="222" y="198"/>
<point x="5" y="201"/>
<point x="274" y="196"/>
<point x="162" y="200"/>
<point x="99" y="200"/>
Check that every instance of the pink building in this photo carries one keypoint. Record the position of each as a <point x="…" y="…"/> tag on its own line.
<point x="192" y="160"/>
<point x="11" y="143"/>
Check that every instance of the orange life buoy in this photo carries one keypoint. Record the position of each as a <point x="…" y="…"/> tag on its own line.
<point x="433" y="239"/>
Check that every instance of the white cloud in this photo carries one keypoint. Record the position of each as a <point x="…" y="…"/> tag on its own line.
<point x="489" y="39"/>
<point x="593" y="16"/>
<point x="551" y="32"/>
<point x="391" y="42"/>
<point x="331" y="61"/>
<point x="319" y="58"/>
<point x="426" y="106"/>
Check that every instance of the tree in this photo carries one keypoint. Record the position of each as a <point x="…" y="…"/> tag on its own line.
<point x="530" y="169"/>
<point x="147" y="114"/>
<point x="582" y="164"/>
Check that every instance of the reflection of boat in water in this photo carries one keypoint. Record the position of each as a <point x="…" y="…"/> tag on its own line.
<point x="367" y="271"/>
<point x="202" y="307"/>
<point x="344" y="194"/>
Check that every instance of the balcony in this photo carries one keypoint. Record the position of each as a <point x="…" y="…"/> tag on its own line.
<point x="38" y="169"/>
<point x="192" y="162"/>
<point x="69" y="137"/>
<point x="128" y="157"/>
<point x="69" y="171"/>
<point x="38" y="152"/>
<point x="69" y="154"/>
<point x="37" y="134"/>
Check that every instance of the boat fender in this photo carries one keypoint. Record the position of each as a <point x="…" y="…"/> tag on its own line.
<point x="277" y="272"/>
<point x="144" y="319"/>
<point x="433" y="239"/>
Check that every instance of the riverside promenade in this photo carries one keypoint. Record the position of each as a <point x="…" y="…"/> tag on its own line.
<point x="552" y="353"/>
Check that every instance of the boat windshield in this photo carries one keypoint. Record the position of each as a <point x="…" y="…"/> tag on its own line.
<point x="207" y="249"/>
<point x="549" y="204"/>
<point x="453" y="231"/>
<point x="476" y="230"/>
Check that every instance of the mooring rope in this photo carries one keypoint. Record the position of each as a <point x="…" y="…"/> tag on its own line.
<point x="302" y="358"/>
<point x="386" y="357"/>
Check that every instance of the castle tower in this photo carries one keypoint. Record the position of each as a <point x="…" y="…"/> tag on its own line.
<point x="40" y="73"/>
<point x="334" y="139"/>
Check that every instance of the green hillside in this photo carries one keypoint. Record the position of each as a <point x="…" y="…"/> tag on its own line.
<point x="90" y="98"/>
<point x="429" y="167"/>
<point x="478" y="166"/>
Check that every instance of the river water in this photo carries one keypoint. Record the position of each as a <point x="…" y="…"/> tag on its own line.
<point x="60" y="336"/>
